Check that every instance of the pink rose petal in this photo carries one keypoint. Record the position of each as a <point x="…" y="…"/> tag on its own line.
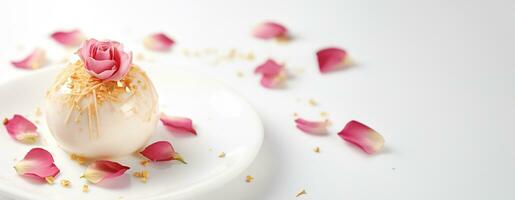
<point x="269" y="30"/>
<point x="161" y="151"/>
<point x="362" y="136"/>
<point x="34" y="61"/>
<point x="68" y="38"/>
<point x="273" y="74"/>
<point x="38" y="163"/>
<point x="313" y="127"/>
<point x="158" y="42"/>
<point x="178" y="124"/>
<point x="331" y="59"/>
<point x="21" y="129"/>
<point x="103" y="169"/>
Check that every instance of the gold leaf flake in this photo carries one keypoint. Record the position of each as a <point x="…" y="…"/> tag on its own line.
<point x="50" y="180"/>
<point x="144" y="162"/>
<point x="85" y="188"/>
<point x="249" y="178"/>
<point x="303" y="192"/>
<point x="222" y="155"/>
<point x="312" y="102"/>
<point x="65" y="183"/>
<point x="317" y="150"/>
<point x="323" y="114"/>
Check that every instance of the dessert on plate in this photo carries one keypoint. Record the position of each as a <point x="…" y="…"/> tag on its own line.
<point x="102" y="105"/>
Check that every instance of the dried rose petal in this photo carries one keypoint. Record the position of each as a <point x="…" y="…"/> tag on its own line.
<point x="330" y="59"/>
<point x="103" y="169"/>
<point x="35" y="60"/>
<point x="161" y="151"/>
<point x="273" y="73"/>
<point x="178" y="124"/>
<point x="68" y="38"/>
<point x="313" y="127"/>
<point x="38" y="163"/>
<point x="21" y="129"/>
<point x="362" y="136"/>
<point x="269" y="30"/>
<point x="158" y="42"/>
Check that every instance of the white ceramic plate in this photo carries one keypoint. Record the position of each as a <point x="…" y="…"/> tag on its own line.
<point x="224" y="121"/>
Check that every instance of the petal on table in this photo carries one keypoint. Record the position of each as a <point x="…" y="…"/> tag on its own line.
<point x="178" y="124"/>
<point x="33" y="61"/>
<point x="269" y="30"/>
<point x="21" y="129"/>
<point x="269" y="67"/>
<point x="68" y="38"/>
<point x="158" y="42"/>
<point x="362" y="136"/>
<point x="161" y="151"/>
<point x="103" y="169"/>
<point x="312" y="127"/>
<point x="331" y="59"/>
<point x="38" y="163"/>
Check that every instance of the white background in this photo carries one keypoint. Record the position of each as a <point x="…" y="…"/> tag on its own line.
<point x="435" y="78"/>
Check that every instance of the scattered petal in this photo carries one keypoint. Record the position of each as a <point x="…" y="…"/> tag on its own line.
<point x="362" y="136"/>
<point x="330" y="59"/>
<point x="178" y="124"/>
<point x="34" y="61"/>
<point x="270" y="30"/>
<point x="39" y="164"/>
<point x="158" y="42"/>
<point x="313" y="127"/>
<point x="273" y="74"/>
<point x="69" y="38"/>
<point x="103" y="169"/>
<point x="21" y="129"/>
<point x="161" y="151"/>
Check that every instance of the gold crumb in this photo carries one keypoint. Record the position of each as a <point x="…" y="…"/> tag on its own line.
<point x="303" y="192"/>
<point x="50" y="180"/>
<point x="222" y="155"/>
<point x="323" y="114"/>
<point x="296" y="114"/>
<point x="317" y="150"/>
<point x="5" y="121"/>
<point x="239" y="74"/>
<point x="79" y="159"/>
<point x="65" y="183"/>
<point x="144" y="162"/>
<point x="143" y="175"/>
<point x="85" y="188"/>
<point x="249" y="178"/>
<point x="312" y="102"/>
<point x="37" y="112"/>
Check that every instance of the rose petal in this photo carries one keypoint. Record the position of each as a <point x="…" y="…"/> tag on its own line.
<point x="273" y="74"/>
<point x="161" y="151"/>
<point x="362" y="136"/>
<point x="158" y="42"/>
<point x="21" y="129"/>
<point x="68" y="38"/>
<point x="269" y="30"/>
<point x="330" y="59"/>
<point x="103" y="169"/>
<point x="35" y="60"/>
<point x="178" y="124"/>
<point x="38" y="163"/>
<point x="313" y="127"/>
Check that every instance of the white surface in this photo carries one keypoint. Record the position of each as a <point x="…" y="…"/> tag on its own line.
<point x="182" y="94"/>
<point x="435" y="78"/>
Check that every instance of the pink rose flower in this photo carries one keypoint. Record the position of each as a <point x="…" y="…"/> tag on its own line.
<point x="105" y="60"/>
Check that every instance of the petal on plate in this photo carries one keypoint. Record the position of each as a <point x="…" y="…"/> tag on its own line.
<point x="21" y="129"/>
<point x="269" y="67"/>
<point x="35" y="60"/>
<point x="362" y="136"/>
<point x="158" y="42"/>
<point x="161" y="151"/>
<point x="331" y="59"/>
<point x="68" y="38"/>
<point x="178" y="124"/>
<point x="312" y="127"/>
<point x="103" y="169"/>
<point x="269" y="30"/>
<point x="38" y="163"/>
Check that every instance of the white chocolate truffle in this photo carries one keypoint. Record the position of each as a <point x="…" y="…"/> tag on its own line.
<point x="93" y="118"/>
